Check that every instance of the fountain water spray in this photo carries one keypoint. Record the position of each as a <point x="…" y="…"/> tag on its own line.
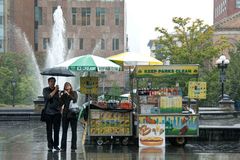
<point x="56" y="51"/>
<point x="23" y="46"/>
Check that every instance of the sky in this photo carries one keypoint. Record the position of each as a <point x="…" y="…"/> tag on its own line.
<point x="143" y="16"/>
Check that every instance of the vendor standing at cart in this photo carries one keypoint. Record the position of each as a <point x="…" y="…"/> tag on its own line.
<point x="68" y="117"/>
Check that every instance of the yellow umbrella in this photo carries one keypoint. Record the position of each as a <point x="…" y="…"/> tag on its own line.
<point x="134" y="59"/>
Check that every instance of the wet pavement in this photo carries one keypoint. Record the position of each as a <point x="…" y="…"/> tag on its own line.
<point x="26" y="140"/>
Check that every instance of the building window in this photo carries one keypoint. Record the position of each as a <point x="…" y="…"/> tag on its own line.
<point x="93" y="43"/>
<point x="237" y="3"/>
<point x="74" y="16"/>
<point x="46" y="41"/>
<point x="86" y="14"/>
<point x="38" y="15"/>
<point x="53" y="10"/>
<point x="100" y="16"/>
<point x="115" y="44"/>
<point x="35" y="39"/>
<point x="1" y="20"/>
<point x="117" y="16"/>
<point x="102" y="44"/>
<point x="1" y="44"/>
<point x="70" y="43"/>
<point x="81" y="43"/>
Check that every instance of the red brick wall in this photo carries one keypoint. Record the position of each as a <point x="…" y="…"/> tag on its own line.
<point x="24" y="17"/>
<point x="230" y="9"/>
<point x="108" y="32"/>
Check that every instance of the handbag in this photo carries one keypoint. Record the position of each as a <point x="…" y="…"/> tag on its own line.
<point x="73" y="107"/>
<point x="43" y="115"/>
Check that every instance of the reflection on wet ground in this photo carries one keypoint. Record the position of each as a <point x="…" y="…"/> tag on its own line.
<point x="26" y="140"/>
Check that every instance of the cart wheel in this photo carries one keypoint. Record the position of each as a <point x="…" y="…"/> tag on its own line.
<point x="125" y="141"/>
<point x="100" y="141"/>
<point x="180" y="141"/>
<point x="172" y="141"/>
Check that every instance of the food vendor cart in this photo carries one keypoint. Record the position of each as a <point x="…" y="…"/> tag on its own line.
<point x="161" y="112"/>
<point x="107" y="120"/>
<point x="110" y="122"/>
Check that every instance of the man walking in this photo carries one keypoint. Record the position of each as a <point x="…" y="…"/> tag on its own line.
<point x="53" y="113"/>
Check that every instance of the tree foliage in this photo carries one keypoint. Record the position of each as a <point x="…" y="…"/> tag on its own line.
<point x="190" y="43"/>
<point x="232" y="84"/>
<point x="19" y="67"/>
<point x="114" y="90"/>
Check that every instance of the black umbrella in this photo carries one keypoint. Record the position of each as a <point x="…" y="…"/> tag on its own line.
<point x="57" y="71"/>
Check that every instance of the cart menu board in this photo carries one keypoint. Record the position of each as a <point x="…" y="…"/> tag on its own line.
<point x="110" y="123"/>
<point x="175" y="124"/>
<point x="170" y="104"/>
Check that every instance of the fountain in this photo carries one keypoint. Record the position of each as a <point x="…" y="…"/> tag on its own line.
<point x="23" y="46"/>
<point x="56" y="50"/>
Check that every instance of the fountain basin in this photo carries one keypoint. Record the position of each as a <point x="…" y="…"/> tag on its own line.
<point x="38" y="104"/>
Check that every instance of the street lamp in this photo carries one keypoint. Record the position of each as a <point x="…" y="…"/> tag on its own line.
<point x="103" y="76"/>
<point x="222" y="63"/>
<point x="149" y="84"/>
<point x="167" y="61"/>
<point x="14" y="83"/>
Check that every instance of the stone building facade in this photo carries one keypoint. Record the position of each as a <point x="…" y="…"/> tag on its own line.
<point x="228" y="27"/>
<point x="91" y="26"/>
<point x="225" y="8"/>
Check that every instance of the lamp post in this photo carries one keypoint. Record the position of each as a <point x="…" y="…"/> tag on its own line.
<point x="14" y="82"/>
<point x="103" y="76"/>
<point x="222" y="63"/>
<point x="149" y="84"/>
<point x="167" y="61"/>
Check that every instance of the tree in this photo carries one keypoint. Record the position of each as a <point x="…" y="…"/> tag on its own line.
<point x="115" y="90"/>
<point x="232" y="84"/>
<point x="211" y="77"/>
<point x="190" y="43"/>
<point x="5" y="85"/>
<point x="19" y="67"/>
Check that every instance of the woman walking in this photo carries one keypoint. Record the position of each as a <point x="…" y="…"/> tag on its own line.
<point x="68" y="117"/>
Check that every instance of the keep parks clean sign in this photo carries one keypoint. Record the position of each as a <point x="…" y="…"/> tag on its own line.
<point x="160" y="70"/>
<point x="89" y="85"/>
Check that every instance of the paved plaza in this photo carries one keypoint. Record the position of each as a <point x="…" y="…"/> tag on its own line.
<point x="26" y="140"/>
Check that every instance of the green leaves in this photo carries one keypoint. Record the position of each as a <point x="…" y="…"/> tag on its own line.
<point x="190" y="43"/>
<point x="193" y="42"/>
<point x="19" y="67"/>
<point x="232" y="84"/>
